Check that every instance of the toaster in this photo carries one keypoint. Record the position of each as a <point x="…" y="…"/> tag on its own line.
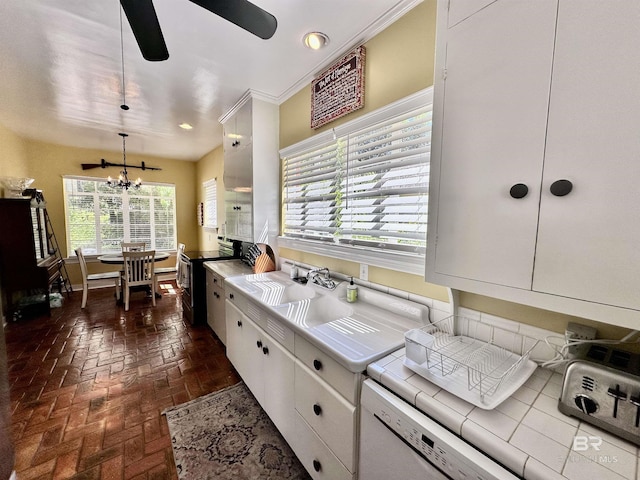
<point x="602" y="387"/>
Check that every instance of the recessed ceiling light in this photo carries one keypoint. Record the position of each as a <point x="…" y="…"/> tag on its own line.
<point x="315" y="40"/>
<point x="185" y="126"/>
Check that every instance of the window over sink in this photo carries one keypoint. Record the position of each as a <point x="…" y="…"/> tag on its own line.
<point x="100" y="217"/>
<point x="362" y="187"/>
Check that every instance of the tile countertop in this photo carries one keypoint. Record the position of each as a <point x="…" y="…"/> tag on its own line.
<point x="527" y="433"/>
<point x="229" y="268"/>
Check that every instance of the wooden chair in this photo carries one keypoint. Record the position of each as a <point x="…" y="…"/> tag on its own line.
<point x="172" y="270"/>
<point x="132" y="246"/>
<point x="138" y="271"/>
<point x="86" y="278"/>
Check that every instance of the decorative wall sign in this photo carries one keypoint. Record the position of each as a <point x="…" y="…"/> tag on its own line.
<point x="339" y="90"/>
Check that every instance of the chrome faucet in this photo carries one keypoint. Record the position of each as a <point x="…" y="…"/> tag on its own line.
<point x="316" y="276"/>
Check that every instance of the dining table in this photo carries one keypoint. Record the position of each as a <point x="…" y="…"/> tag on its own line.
<point x="118" y="259"/>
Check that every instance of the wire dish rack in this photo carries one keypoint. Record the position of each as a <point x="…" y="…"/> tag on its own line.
<point x="478" y="362"/>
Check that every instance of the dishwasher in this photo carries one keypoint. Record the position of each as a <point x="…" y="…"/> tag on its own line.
<point x="399" y="441"/>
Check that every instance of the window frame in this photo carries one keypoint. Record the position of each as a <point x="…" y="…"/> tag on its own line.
<point x="125" y="203"/>
<point x="398" y="260"/>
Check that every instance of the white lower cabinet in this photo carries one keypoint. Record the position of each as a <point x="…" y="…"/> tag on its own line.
<point x="328" y="414"/>
<point x="265" y="367"/>
<point x="316" y="456"/>
<point x="311" y="398"/>
<point x="215" y="305"/>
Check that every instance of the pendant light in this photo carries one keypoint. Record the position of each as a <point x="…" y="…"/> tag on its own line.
<point x="123" y="181"/>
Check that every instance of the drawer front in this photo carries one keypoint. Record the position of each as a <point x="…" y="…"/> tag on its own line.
<point x="328" y="414"/>
<point x="217" y="279"/>
<point x="340" y="378"/>
<point x="315" y="456"/>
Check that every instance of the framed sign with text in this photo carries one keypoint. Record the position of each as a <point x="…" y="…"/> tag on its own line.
<point x="339" y="90"/>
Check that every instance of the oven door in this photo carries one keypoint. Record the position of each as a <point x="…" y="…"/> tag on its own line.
<point x="399" y="441"/>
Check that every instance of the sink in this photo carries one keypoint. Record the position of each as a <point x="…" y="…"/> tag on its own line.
<point x="276" y="293"/>
<point x="310" y="312"/>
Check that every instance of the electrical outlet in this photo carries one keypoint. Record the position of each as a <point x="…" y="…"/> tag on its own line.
<point x="575" y="331"/>
<point x="364" y="271"/>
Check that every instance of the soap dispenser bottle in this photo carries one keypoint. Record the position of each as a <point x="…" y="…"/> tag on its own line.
<point x="352" y="292"/>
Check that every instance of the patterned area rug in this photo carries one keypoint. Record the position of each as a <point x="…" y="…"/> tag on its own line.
<point x="227" y="435"/>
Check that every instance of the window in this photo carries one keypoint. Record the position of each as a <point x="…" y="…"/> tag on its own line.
<point x="210" y="204"/>
<point x="363" y="184"/>
<point x="100" y="217"/>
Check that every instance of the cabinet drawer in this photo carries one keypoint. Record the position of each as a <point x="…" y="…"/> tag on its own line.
<point x="315" y="456"/>
<point x="328" y="414"/>
<point x="340" y="378"/>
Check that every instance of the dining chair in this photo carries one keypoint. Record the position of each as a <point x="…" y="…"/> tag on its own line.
<point x="172" y="270"/>
<point x="138" y="271"/>
<point x="132" y="246"/>
<point x="86" y="278"/>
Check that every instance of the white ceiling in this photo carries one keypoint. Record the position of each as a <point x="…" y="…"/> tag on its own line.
<point x="61" y="68"/>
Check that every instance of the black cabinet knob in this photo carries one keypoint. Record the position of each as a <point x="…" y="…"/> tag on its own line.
<point x="317" y="409"/>
<point x="231" y="296"/>
<point x="265" y="350"/>
<point x="560" y="188"/>
<point x="316" y="466"/>
<point x="317" y="364"/>
<point x="239" y="323"/>
<point x="519" y="190"/>
<point x="259" y="344"/>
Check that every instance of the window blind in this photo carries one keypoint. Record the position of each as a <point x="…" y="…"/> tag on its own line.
<point x="365" y="187"/>
<point x="210" y="203"/>
<point x="100" y="217"/>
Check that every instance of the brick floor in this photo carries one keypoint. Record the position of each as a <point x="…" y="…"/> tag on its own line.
<point x="88" y="386"/>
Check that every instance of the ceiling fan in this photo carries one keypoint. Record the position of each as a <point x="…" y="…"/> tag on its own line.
<point x="146" y="28"/>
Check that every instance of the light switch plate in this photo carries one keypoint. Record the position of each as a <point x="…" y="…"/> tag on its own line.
<point x="364" y="271"/>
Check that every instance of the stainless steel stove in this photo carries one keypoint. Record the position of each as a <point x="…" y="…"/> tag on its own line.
<point x="194" y="294"/>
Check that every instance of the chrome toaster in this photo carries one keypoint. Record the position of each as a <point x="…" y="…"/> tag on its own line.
<point x="602" y="387"/>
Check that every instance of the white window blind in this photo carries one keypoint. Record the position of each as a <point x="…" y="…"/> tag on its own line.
<point x="100" y="217"/>
<point x="210" y="203"/>
<point x="368" y="186"/>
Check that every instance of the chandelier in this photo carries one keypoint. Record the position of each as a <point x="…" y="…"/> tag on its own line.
<point x="123" y="179"/>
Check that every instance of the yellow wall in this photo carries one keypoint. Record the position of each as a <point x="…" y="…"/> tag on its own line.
<point x="208" y="167"/>
<point x="13" y="159"/>
<point x="47" y="163"/>
<point x="400" y="62"/>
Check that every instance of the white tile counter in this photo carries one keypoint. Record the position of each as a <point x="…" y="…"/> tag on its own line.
<point x="526" y="433"/>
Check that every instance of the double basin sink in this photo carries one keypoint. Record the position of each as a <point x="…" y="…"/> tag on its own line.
<point x="354" y="334"/>
<point x="305" y="305"/>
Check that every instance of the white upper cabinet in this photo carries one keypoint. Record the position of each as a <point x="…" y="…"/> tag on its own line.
<point x="530" y="95"/>
<point x="589" y="240"/>
<point x="252" y="171"/>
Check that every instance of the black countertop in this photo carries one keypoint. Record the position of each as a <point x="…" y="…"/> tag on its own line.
<point x="208" y="255"/>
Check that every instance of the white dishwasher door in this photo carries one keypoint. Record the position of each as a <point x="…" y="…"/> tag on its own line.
<point x="399" y="441"/>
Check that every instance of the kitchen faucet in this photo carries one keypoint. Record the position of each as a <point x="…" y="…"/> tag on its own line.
<point x="315" y="275"/>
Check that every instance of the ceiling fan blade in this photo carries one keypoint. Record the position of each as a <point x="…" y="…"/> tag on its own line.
<point x="244" y="14"/>
<point x="146" y="28"/>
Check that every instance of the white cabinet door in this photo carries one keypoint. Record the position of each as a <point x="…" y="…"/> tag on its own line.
<point x="265" y="366"/>
<point x="589" y="240"/>
<point x="242" y="350"/>
<point x="490" y="115"/>
<point x="215" y="306"/>
<point x="278" y="387"/>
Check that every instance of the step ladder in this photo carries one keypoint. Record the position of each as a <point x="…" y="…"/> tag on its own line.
<point x="52" y="243"/>
<point x="63" y="280"/>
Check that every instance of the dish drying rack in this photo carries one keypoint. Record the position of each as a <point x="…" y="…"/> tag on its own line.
<point x="478" y="362"/>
